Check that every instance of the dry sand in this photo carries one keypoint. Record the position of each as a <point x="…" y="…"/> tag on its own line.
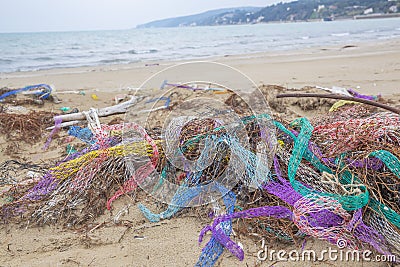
<point x="375" y="68"/>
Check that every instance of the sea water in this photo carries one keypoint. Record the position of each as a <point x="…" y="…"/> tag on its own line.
<point x="46" y="50"/>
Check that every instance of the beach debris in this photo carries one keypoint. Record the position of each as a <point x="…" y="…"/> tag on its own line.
<point x="65" y="109"/>
<point x="196" y="86"/>
<point x="358" y="95"/>
<point x="163" y="98"/>
<point x="94" y="97"/>
<point x="335" y="177"/>
<point x="119" y="98"/>
<point x="53" y="132"/>
<point x="355" y="94"/>
<point x="70" y="149"/>
<point x="42" y="91"/>
<point x="83" y="134"/>
<point x="341" y="103"/>
<point x="342" y="97"/>
<point x="69" y="110"/>
<point x="25" y="127"/>
<point x="335" y="90"/>
<point x="29" y="95"/>
<point x="10" y="171"/>
<point x="78" y="92"/>
<point x="348" y="46"/>
<point x="15" y="109"/>
<point x="75" y="118"/>
<point x="21" y="102"/>
<point x="348" y="92"/>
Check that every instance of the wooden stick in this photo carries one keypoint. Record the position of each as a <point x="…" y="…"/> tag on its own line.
<point x="103" y="112"/>
<point x="342" y="97"/>
<point x="74" y="118"/>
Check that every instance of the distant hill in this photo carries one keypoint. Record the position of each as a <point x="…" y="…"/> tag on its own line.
<point x="324" y="9"/>
<point x="213" y="17"/>
<point x="301" y="10"/>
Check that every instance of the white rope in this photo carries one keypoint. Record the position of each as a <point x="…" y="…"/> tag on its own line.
<point x="92" y="118"/>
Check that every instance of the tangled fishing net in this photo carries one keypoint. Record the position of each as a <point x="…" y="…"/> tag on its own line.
<point x="25" y="127"/>
<point x="333" y="179"/>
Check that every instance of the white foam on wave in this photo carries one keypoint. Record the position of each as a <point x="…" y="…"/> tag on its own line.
<point x="340" y="34"/>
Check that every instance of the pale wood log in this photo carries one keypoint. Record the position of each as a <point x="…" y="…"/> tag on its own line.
<point x="74" y="118"/>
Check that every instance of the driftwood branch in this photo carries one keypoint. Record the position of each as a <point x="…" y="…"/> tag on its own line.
<point x="74" y="118"/>
<point x="342" y="97"/>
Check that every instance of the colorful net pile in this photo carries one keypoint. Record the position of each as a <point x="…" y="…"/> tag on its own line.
<point x="32" y="94"/>
<point x="334" y="179"/>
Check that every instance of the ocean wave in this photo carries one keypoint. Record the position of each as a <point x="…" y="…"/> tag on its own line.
<point x="150" y="51"/>
<point x="393" y="36"/>
<point x="136" y="52"/>
<point x="244" y="36"/>
<point x="190" y="47"/>
<point x="76" y="56"/>
<point x="132" y="51"/>
<point x="340" y="34"/>
<point x="43" y="58"/>
<point x="116" y="60"/>
<point x="38" y="67"/>
<point x="5" y="61"/>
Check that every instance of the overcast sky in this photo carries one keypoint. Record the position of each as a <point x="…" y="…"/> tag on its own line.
<point x="69" y="15"/>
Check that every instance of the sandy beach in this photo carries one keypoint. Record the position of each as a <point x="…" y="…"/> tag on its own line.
<point x="374" y="67"/>
<point x="370" y="68"/>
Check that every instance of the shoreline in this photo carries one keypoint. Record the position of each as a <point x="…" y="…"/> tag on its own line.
<point x="275" y="53"/>
<point x="372" y="72"/>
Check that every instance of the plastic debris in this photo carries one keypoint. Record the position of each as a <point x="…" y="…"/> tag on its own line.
<point x="65" y="109"/>
<point x="332" y="178"/>
<point x="42" y="91"/>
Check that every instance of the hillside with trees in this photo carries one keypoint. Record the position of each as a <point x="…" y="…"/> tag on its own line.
<point x="321" y="9"/>
<point x="301" y="10"/>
